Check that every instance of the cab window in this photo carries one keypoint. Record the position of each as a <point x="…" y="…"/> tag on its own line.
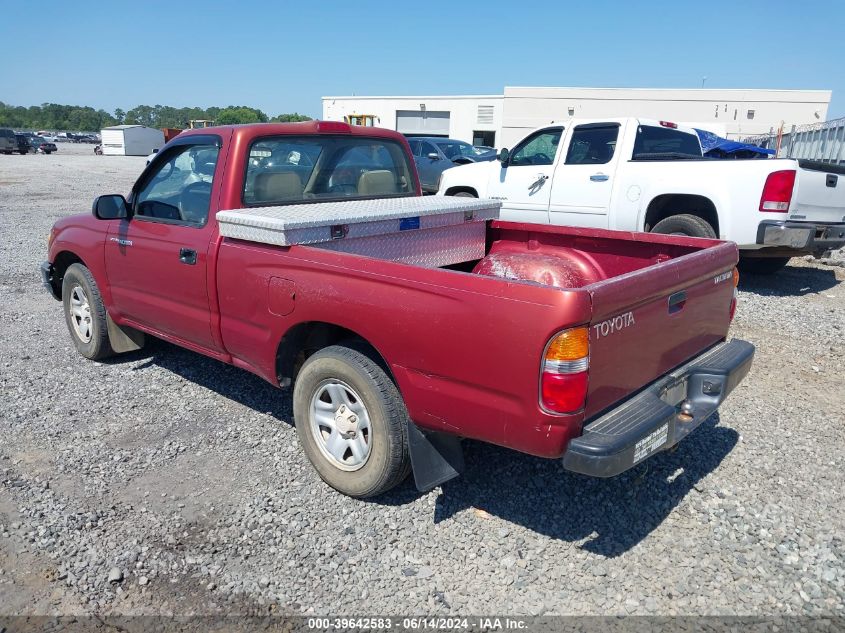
<point x="290" y="169"/>
<point x="179" y="189"/>
<point x="538" y="149"/>
<point x="592" y="144"/>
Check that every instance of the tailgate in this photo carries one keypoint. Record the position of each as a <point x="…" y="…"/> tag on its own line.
<point x="647" y="322"/>
<point x="819" y="194"/>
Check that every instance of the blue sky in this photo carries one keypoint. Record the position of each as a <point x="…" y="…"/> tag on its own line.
<point x="283" y="56"/>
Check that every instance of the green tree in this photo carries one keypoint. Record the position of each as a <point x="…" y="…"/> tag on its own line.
<point x="119" y="115"/>
<point x="290" y="118"/>
<point x="240" y="114"/>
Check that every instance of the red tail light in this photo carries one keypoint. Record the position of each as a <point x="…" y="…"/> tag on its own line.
<point x="674" y="126"/>
<point x="777" y="192"/>
<point x="564" y="393"/>
<point x="564" y="378"/>
<point x="734" y="298"/>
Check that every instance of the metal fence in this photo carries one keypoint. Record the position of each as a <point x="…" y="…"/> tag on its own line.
<point x="823" y="142"/>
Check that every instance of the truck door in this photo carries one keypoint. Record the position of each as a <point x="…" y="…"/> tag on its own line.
<point x="156" y="261"/>
<point x="583" y="181"/>
<point x="524" y="183"/>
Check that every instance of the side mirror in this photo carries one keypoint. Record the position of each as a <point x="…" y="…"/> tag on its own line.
<point x="110" y="207"/>
<point x="504" y="156"/>
<point x="433" y="156"/>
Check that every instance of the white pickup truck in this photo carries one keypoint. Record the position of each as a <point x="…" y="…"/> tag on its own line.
<point x="641" y="175"/>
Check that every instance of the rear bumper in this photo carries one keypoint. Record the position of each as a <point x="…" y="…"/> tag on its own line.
<point x="652" y="420"/>
<point x="800" y="237"/>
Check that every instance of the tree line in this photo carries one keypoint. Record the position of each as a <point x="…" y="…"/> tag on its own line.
<point x="54" y="116"/>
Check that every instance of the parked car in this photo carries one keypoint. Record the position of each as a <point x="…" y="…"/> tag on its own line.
<point x="640" y="175"/>
<point x="434" y="155"/>
<point x="24" y="145"/>
<point x="8" y="142"/>
<point x="43" y="146"/>
<point x="402" y="323"/>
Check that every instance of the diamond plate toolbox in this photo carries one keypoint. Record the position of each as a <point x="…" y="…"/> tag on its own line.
<point x="425" y="231"/>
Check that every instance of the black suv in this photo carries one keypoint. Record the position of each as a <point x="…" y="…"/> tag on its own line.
<point x="24" y="146"/>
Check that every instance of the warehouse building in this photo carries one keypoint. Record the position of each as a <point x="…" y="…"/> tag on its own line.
<point x="500" y="120"/>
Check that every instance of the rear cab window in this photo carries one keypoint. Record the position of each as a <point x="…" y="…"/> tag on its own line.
<point x="592" y="144"/>
<point x="653" y="141"/>
<point x="293" y="169"/>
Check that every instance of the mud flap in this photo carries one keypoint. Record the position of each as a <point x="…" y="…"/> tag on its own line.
<point x="435" y="457"/>
<point x="124" y="339"/>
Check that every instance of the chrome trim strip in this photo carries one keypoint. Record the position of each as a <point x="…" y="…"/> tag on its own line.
<point x="567" y="366"/>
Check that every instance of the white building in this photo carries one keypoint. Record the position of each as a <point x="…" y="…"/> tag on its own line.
<point x="500" y="120"/>
<point x="130" y="140"/>
<point x="473" y="118"/>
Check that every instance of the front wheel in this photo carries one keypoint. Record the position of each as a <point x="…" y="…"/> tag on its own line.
<point x="351" y="422"/>
<point x="684" y="224"/>
<point x="463" y="194"/>
<point x="762" y="265"/>
<point x="85" y="313"/>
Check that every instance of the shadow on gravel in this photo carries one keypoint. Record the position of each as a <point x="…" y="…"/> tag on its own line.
<point x="613" y="515"/>
<point x="230" y="382"/>
<point x="791" y="281"/>
<point x="609" y="516"/>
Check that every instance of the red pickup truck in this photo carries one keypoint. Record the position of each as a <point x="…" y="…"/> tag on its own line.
<point x="598" y="347"/>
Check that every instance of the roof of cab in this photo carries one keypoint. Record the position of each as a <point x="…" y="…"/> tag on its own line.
<point x="250" y="131"/>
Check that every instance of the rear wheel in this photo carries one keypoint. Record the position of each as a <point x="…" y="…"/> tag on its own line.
<point x="464" y="194"/>
<point x="685" y="224"/>
<point x="351" y="422"/>
<point x="762" y="265"/>
<point x="85" y="313"/>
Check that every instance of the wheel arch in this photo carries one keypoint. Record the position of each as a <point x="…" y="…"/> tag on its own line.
<point x="304" y="339"/>
<point x="668" y="204"/>
<point x="451" y="191"/>
<point x="61" y="262"/>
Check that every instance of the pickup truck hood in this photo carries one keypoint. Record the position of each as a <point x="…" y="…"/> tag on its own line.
<point x="471" y="174"/>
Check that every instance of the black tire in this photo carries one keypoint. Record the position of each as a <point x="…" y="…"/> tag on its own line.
<point x="388" y="460"/>
<point x="762" y="265"/>
<point x="97" y="345"/>
<point x="684" y="224"/>
<point x="464" y="194"/>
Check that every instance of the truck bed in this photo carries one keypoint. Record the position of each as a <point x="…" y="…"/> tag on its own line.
<point x="445" y="324"/>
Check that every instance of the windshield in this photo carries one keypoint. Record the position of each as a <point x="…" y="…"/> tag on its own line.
<point x="455" y="149"/>
<point x="290" y="169"/>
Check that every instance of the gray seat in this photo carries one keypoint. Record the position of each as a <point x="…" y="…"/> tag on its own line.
<point x="272" y="186"/>
<point x="377" y="182"/>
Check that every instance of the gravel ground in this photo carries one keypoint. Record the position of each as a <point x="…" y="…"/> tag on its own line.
<point x="164" y="482"/>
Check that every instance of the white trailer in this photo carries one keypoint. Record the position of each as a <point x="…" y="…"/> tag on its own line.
<point x="130" y="140"/>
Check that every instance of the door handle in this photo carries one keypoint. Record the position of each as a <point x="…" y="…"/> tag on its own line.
<point x="599" y="177"/>
<point x="677" y="302"/>
<point x="541" y="178"/>
<point x="188" y="256"/>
